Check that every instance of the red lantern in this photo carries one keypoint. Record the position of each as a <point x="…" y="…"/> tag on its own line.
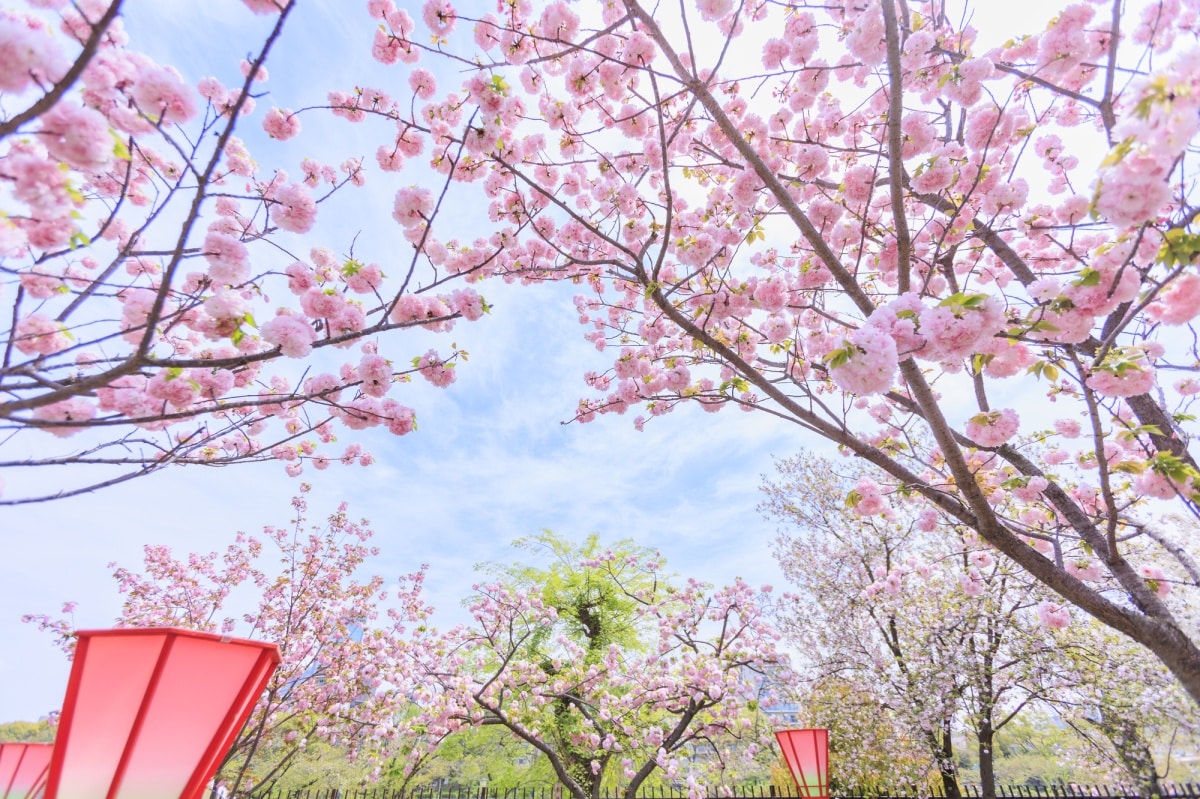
<point x="23" y="769"/>
<point x="151" y="712"/>
<point x="807" y="756"/>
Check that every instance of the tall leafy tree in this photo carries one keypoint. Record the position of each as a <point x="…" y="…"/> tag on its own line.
<point x="631" y="677"/>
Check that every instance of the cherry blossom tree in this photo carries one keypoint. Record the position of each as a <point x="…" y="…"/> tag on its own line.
<point x="596" y="709"/>
<point x="168" y="299"/>
<point x="345" y="655"/>
<point x="873" y="750"/>
<point x="930" y="622"/>
<point x="972" y="265"/>
<point x="1128" y="708"/>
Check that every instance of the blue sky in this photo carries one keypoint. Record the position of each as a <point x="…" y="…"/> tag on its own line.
<point x="491" y="460"/>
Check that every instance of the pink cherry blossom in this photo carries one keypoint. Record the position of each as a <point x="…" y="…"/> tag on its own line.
<point x="293" y="335"/>
<point x="295" y="209"/>
<point x="28" y="55"/>
<point x="281" y="124"/>
<point x="972" y="583"/>
<point x="1053" y="615"/>
<point x="993" y="428"/>
<point x="435" y="370"/>
<point x="1155" y="579"/>
<point x="38" y="334"/>
<point x="440" y="16"/>
<point x="870" y="365"/>
<point x="228" y="259"/>
<point x="77" y="136"/>
<point x="75" y="409"/>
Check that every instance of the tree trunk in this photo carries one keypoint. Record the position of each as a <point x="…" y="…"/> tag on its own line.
<point x="943" y="754"/>
<point x="987" y="770"/>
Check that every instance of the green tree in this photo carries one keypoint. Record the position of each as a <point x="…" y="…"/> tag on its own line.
<point x="613" y="674"/>
<point x="27" y="732"/>
<point x="475" y="756"/>
<point x="595" y="589"/>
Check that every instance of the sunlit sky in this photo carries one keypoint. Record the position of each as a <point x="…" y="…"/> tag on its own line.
<point x="491" y="461"/>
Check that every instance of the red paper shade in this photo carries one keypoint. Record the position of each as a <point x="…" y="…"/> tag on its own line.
<point x="150" y="712"/>
<point x="23" y="769"/>
<point x="807" y="756"/>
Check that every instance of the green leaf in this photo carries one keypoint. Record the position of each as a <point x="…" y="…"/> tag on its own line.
<point x="1118" y="153"/>
<point x="1131" y="433"/>
<point x="964" y="301"/>
<point x="1179" y="248"/>
<point x="839" y="357"/>
<point x="120" y="149"/>
<point x="1044" y="369"/>
<point x="1088" y="278"/>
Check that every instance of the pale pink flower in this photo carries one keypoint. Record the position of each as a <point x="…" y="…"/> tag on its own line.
<point x="294" y="209"/>
<point x="301" y="277"/>
<point x="870" y="500"/>
<point x="435" y="370"/>
<point x="972" y="582"/>
<point x="413" y="206"/>
<point x="27" y="55"/>
<point x="423" y="83"/>
<point x="713" y="10"/>
<point x="292" y="335"/>
<point x="40" y="283"/>
<point x="75" y="409"/>
<point x="1032" y="489"/>
<point x="1188" y="386"/>
<point x="927" y="520"/>
<point x="1156" y="579"/>
<point x="266" y="6"/>
<point x="1083" y="568"/>
<point x="1154" y="484"/>
<point x="993" y="428"/>
<point x="468" y="303"/>
<point x="281" y="124"/>
<point x="376" y="375"/>
<point x="38" y="334"/>
<point x="363" y="279"/>
<point x="1067" y="428"/>
<point x="982" y="559"/>
<point x="1053" y="615"/>
<point x="77" y="136"/>
<point x="1056" y="456"/>
<point x="1125" y="372"/>
<point x="440" y="16"/>
<point x="161" y="94"/>
<point x="871" y="365"/>
<point x="1180" y="303"/>
<point x="228" y="259"/>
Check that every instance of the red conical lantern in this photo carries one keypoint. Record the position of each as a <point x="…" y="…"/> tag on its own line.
<point x="151" y="712"/>
<point x="807" y="756"/>
<point x="23" y="768"/>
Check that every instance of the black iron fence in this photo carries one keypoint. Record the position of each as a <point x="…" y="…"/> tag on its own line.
<point x="1059" y="791"/>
